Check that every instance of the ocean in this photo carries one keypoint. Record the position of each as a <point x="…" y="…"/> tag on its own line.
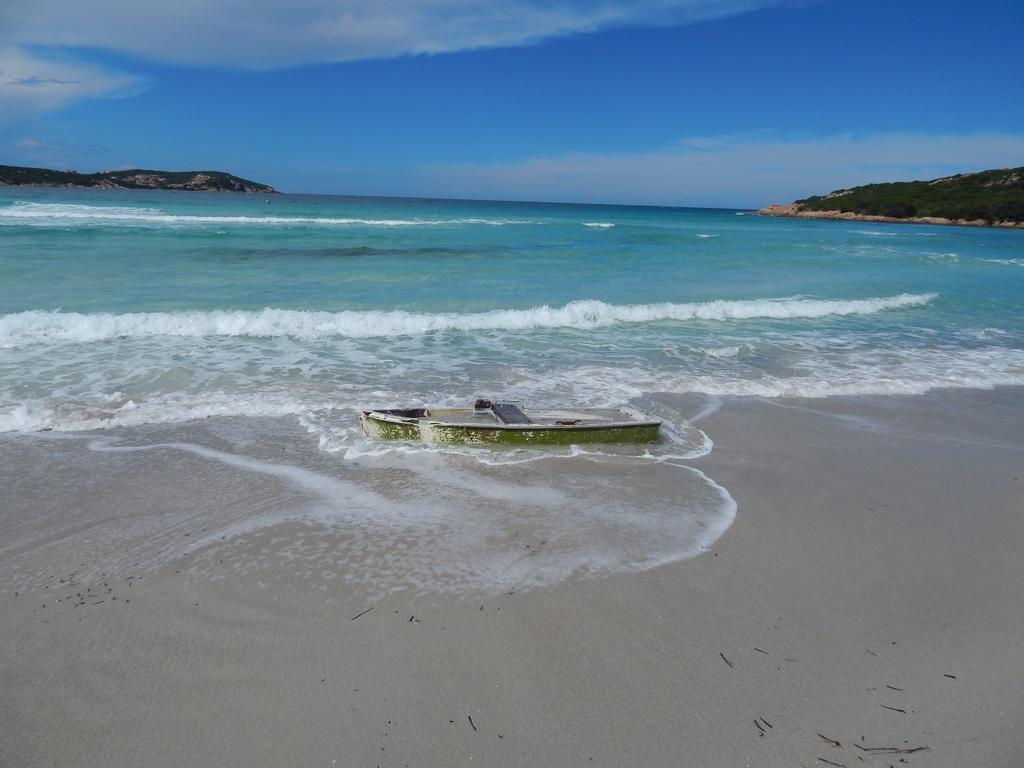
<point x="132" y="321"/>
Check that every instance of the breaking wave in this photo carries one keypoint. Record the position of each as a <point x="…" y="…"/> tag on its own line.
<point x="56" y="327"/>
<point x="62" y="214"/>
<point x="1007" y="262"/>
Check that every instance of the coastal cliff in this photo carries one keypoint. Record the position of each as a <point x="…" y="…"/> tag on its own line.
<point x="992" y="198"/>
<point x="135" y="178"/>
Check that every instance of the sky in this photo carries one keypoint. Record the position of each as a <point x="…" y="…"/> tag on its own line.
<point x="728" y="103"/>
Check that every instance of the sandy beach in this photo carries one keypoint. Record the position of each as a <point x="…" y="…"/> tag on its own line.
<point x="865" y="608"/>
<point x="295" y="304"/>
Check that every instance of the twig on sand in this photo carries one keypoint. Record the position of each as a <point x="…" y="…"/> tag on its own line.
<point x="893" y="687"/>
<point x="363" y="613"/>
<point x="833" y="742"/>
<point x="829" y="762"/>
<point x="891" y="750"/>
<point x="759" y="727"/>
<point x="471" y="723"/>
<point x="951" y="677"/>
<point x="725" y="659"/>
<point x="894" y="709"/>
<point x="759" y="650"/>
<point x="767" y="723"/>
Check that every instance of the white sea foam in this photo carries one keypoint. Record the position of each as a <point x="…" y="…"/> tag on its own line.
<point x="988" y="333"/>
<point x="329" y="411"/>
<point x="712" y="405"/>
<point x="818" y="374"/>
<point x="705" y="236"/>
<point x="598" y="224"/>
<point x="947" y="258"/>
<point x="468" y="529"/>
<point x="731" y="350"/>
<point x="175" y="408"/>
<point x="1006" y="262"/>
<point x="62" y="214"/>
<point x="56" y="327"/>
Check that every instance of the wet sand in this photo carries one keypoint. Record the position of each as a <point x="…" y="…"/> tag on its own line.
<point x="865" y="608"/>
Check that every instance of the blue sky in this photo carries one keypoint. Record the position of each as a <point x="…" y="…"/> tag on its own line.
<point x="687" y="102"/>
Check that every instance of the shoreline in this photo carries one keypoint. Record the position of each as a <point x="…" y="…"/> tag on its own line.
<point x="867" y="594"/>
<point x="793" y="211"/>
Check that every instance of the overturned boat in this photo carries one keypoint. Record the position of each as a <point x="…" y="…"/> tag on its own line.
<point x="507" y="423"/>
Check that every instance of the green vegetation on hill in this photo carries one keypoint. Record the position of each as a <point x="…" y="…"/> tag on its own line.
<point x="206" y="181"/>
<point x="992" y="196"/>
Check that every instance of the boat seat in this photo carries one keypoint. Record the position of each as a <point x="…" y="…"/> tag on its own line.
<point x="507" y="413"/>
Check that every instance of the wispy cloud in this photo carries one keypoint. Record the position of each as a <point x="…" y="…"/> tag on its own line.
<point x="32" y="82"/>
<point x="727" y="170"/>
<point x="266" y="34"/>
<point x="35" y="81"/>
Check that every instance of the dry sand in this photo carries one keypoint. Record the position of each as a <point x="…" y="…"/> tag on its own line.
<point x="870" y="595"/>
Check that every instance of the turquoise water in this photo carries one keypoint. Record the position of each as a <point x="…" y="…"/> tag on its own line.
<point x="123" y="308"/>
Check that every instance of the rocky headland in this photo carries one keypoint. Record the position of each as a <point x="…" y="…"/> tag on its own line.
<point x="984" y="199"/>
<point x="135" y="178"/>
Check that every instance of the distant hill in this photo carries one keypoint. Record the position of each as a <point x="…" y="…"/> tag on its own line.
<point x="135" y="178"/>
<point x="986" y="198"/>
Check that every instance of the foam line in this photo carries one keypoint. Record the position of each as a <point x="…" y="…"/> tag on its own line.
<point x="713" y="404"/>
<point x="473" y="526"/>
<point x="56" y="327"/>
<point x="44" y="213"/>
<point x="309" y="481"/>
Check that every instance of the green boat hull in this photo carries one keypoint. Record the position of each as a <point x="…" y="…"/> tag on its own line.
<point x="382" y="429"/>
<point x="532" y="435"/>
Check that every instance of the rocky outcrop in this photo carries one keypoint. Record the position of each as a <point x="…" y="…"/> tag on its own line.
<point x="795" y="210"/>
<point x="993" y="198"/>
<point x="197" y="181"/>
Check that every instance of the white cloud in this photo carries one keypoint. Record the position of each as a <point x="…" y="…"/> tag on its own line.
<point x="266" y="34"/>
<point x="43" y="67"/>
<point x="745" y="171"/>
<point x="31" y="83"/>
